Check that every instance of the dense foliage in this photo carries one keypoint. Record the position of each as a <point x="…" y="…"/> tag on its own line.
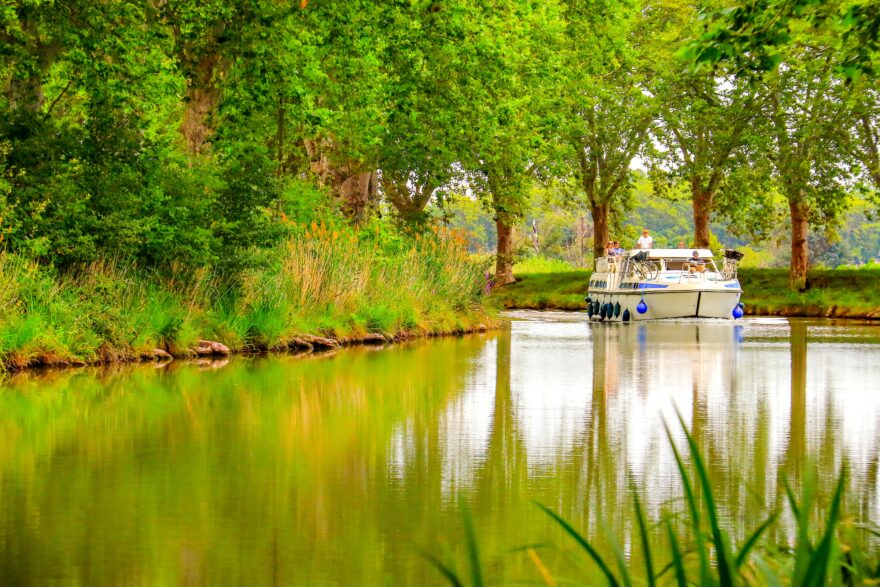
<point x="181" y="135"/>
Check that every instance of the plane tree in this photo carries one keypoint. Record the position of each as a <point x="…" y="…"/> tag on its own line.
<point x="704" y="124"/>
<point x="421" y="147"/>
<point x="864" y="144"/>
<point x="510" y="82"/>
<point x="607" y="111"/>
<point x="805" y="120"/>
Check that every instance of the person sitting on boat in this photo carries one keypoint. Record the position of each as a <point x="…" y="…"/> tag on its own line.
<point x="645" y="241"/>
<point x="609" y="249"/>
<point x="618" y="250"/>
<point x="695" y="263"/>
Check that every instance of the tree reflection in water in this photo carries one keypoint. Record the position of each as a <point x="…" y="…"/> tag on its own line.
<point x="335" y="470"/>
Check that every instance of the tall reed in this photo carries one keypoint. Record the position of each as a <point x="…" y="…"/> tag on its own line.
<point x="342" y="285"/>
<point x="333" y="282"/>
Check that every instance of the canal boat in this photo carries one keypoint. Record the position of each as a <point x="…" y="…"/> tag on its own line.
<point x="665" y="283"/>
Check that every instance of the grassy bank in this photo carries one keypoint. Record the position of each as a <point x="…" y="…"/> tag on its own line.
<point x="849" y="293"/>
<point x="339" y="287"/>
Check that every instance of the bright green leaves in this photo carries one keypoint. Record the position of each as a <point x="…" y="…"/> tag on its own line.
<point x="757" y="36"/>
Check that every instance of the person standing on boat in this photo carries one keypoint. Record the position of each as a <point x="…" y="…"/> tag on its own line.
<point x="645" y="241"/>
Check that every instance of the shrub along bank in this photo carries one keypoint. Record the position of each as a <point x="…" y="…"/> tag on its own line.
<point x="848" y="293"/>
<point x="321" y="287"/>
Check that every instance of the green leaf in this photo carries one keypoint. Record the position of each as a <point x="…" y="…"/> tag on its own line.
<point x="643" y="534"/>
<point x="583" y="542"/>
<point x="719" y="538"/>
<point x="753" y="540"/>
<point x="471" y="543"/>
<point x="677" y="561"/>
<point x="694" y="509"/>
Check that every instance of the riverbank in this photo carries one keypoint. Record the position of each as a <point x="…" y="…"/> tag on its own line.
<point x="316" y="291"/>
<point x="834" y="293"/>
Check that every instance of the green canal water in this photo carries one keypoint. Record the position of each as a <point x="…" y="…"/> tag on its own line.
<point x="339" y="470"/>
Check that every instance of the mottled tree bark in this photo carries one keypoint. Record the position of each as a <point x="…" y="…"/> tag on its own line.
<point x="201" y="100"/>
<point x="871" y="151"/>
<point x="408" y="197"/>
<point x="599" y="212"/>
<point x="25" y="92"/>
<point x="358" y="194"/>
<point x="800" y="255"/>
<point x="702" y="204"/>
<point x="504" y="256"/>
<point x="355" y="189"/>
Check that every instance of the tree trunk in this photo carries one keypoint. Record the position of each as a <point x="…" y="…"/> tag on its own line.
<point x="800" y="255"/>
<point x="408" y="197"/>
<point x="504" y="256"/>
<point x="202" y="97"/>
<point x="355" y="189"/>
<point x="358" y="195"/>
<point x="702" y="201"/>
<point x="599" y="211"/>
<point x="26" y="93"/>
<point x="279" y="137"/>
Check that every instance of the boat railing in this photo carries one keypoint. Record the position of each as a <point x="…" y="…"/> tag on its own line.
<point x="641" y="267"/>
<point x="731" y="263"/>
<point x="609" y="264"/>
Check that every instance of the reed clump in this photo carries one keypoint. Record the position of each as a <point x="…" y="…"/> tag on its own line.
<point x="336" y="283"/>
<point x="344" y="286"/>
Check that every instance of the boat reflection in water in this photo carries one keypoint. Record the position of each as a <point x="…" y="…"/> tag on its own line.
<point x="336" y="470"/>
<point x="572" y="412"/>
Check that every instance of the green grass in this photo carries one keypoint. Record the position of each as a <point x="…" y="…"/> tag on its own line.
<point x="324" y="283"/>
<point x="541" y="264"/>
<point x="850" y="293"/>
<point x="539" y="291"/>
<point x="833" y="292"/>
<point x="830" y="553"/>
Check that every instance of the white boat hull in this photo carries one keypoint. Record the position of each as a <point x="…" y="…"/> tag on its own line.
<point x="668" y="304"/>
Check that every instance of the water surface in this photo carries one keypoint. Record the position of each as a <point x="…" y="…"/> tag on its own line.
<point x="337" y="470"/>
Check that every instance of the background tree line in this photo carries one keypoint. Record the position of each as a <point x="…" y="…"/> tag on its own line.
<point x="183" y="133"/>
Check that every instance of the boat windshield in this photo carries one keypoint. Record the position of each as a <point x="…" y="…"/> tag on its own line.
<point x="679" y="264"/>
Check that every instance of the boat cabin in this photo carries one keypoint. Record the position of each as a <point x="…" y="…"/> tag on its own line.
<point x="666" y="259"/>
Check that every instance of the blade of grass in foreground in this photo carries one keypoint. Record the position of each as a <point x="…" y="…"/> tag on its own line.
<point x="722" y="549"/>
<point x="471" y="540"/>
<point x="583" y="542"/>
<point x="618" y="555"/>
<point x="753" y="540"/>
<point x="447" y="571"/>
<point x="677" y="561"/>
<point x="770" y="576"/>
<point x="643" y="533"/>
<point x="693" y="507"/>
<point x="819" y="562"/>
<point x="804" y="548"/>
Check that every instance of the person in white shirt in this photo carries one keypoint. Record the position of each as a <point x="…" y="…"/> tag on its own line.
<point x="645" y="241"/>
